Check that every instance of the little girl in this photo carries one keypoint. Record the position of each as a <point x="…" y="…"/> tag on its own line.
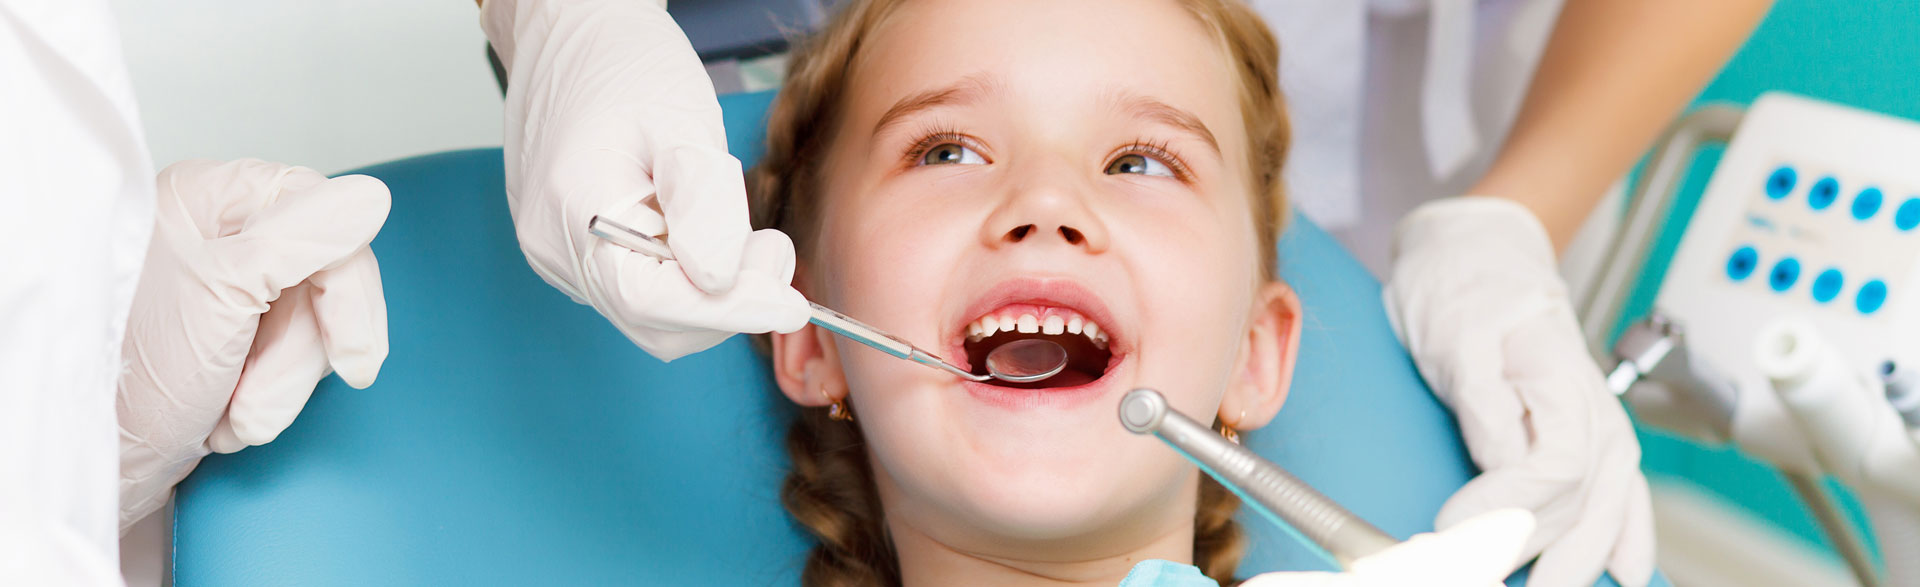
<point x="964" y="174"/>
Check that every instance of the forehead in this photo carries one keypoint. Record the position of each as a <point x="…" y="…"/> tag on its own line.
<point x="1051" y="56"/>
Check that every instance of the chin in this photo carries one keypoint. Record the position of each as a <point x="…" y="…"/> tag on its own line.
<point x="1045" y="507"/>
<point x="1059" y="493"/>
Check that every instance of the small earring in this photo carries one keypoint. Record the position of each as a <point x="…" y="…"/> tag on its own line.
<point x="1228" y="430"/>
<point x="838" y="409"/>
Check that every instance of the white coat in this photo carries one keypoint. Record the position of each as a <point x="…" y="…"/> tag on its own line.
<point x="1398" y="102"/>
<point x="76" y="184"/>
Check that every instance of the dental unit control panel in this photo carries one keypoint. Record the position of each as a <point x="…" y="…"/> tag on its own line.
<point x="1787" y="319"/>
<point x="1813" y="216"/>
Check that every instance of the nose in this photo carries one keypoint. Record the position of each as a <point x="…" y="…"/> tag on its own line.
<point x="1053" y="208"/>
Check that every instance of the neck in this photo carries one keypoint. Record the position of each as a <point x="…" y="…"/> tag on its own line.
<point x="926" y="562"/>
<point x="1099" y="558"/>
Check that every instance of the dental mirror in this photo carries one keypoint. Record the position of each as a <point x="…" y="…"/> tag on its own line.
<point x="1027" y="360"/>
<point x="1020" y="361"/>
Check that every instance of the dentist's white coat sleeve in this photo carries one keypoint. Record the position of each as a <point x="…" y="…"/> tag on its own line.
<point x="76" y="211"/>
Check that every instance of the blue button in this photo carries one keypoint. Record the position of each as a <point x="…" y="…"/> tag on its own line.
<point x="1908" y="216"/>
<point x="1871" y="296"/>
<point x="1781" y="182"/>
<point x="1784" y="274"/>
<point x="1827" y="285"/>
<point x="1866" y="204"/>
<point x="1823" y="194"/>
<point x="1741" y="264"/>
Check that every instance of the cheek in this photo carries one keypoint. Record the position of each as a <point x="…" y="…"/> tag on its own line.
<point x="884" y="261"/>
<point x="1196" y="268"/>
<point x="884" y="264"/>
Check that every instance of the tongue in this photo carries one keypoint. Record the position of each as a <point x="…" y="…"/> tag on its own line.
<point x="1068" y="378"/>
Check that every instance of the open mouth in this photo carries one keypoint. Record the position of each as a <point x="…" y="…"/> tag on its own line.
<point x="1087" y="344"/>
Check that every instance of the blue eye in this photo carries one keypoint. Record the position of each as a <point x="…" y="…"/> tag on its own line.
<point x="1138" y="164"/>
<point x="951" y="154"/>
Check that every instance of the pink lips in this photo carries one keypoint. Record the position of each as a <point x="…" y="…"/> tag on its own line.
<point x="1042" y="292"/>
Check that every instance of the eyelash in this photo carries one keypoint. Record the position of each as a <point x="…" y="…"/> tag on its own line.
<point x="935" y="136"/>
<point x="1158" y="150"/>
<point x="939" y="135"/>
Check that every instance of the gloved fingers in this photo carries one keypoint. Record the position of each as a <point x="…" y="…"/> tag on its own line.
<point x="1479" y="551"/>
<point x="1562" y="423"/>
<point x="1633" y="558"/>
<point x="222" y="440"/>
<point x="650" y="293"/>
<point x="758" y="303"/>
<point x="1464" y="360"/>
<point x="644" y="216"/>
<point x="1301" y="579"/>
<point x="1493" y="420"/>
<point x="1494" y="540"/>
<point x="769" y="252"/>
<point x="1554" y="502"/>
<point x="287" y="360"/>
<point x="307" y="228"/>
<point x="658" y="297"/>
<point x="703" y="195"/>
<point x="1547" y="481"/>
<point x="706" y="321"/>
<point x="216" y="199"/>
<point x="1579" y="555"/>
<point x="668" y="345"/>
<point x="351" y="310"/>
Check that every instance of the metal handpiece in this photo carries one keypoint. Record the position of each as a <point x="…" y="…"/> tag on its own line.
<point x="1284" y="499"/>
<point x="1644" y="344"/>
<point x="835" y="322"/>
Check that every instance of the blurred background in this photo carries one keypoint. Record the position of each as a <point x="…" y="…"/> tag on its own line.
<point x="330" y="85"/>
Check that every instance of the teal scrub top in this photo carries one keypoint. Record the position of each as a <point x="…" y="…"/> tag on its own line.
<point x="1164" y="573"/>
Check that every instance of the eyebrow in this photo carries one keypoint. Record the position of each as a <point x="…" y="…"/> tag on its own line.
<point x="1151" y="109"/>
<point x="962" y="92"/>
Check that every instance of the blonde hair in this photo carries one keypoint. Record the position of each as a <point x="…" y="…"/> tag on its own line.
<point x="830" y="489"/>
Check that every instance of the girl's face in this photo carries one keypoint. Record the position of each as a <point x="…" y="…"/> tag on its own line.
<point x="1064" y="166"/>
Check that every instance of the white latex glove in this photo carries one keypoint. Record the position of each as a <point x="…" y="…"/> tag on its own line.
<point x="1477" y="552"/>
<point x="609" y="112"/>
<point x="1475" y="295"/>
<point x="258" y="283"/>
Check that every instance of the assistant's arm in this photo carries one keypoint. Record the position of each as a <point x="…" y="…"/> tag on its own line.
<point x="1614" y="74"/>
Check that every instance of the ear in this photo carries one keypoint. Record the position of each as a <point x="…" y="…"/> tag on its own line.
<point x="1264" y="371"/>
<point x="806" y="366"/>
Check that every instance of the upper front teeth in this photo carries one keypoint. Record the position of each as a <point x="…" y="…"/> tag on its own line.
<point x="1065" y="322"/>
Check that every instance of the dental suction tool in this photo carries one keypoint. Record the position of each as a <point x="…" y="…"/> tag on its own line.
<point x="1021" y="361"/>
<point x="1270" y="490"/>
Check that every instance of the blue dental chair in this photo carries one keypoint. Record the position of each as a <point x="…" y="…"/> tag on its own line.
<point x="516" y="438"/>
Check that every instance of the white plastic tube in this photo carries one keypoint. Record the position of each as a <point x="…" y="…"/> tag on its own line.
<point x="1844" y="413"/>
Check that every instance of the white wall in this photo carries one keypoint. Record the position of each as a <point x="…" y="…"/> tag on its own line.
<point x="329" y="84"/>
